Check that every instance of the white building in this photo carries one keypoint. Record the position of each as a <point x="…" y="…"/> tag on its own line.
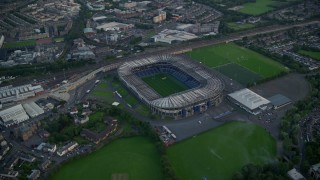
<point x="169" y="36"/>
<point x="114" y="26"/>
<point x="295" y="175"/>
<point x="67" y="148"/>
<point x="99" y="18"/>
<point x="250" y="101"/>
<point x="13" y="115"/>
<point x="47" y="147"/>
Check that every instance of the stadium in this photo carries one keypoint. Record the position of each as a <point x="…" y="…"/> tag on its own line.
<point x="170" y="85"/>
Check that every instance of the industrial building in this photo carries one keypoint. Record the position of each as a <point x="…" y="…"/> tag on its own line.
<point x="114" y="26"/>
<point x="279" y="101"/>
<point x="13" y="115"/>
<point x="32" y="109"/>
<point x="170" y="36"/>
<point x="12" y="94"/>
<point x="250" y="101"/>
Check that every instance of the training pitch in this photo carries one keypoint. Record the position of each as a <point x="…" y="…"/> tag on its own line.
<point x="261" y="6"/>
<point x="164" y="84"/>
<point x="222" y="54"/>
<point x="313" y="54"/>
<point x="219" y="153"/>
<point x="18" y="44"/>
<point x="129" y="158"/>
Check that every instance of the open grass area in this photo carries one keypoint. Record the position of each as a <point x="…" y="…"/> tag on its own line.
<point x="132" y="100"/>
<point x="313" y="54"/>
<point x="236" y="26"/>
<point x="239" y="73"/>
<point x="220" y="152"/>
<point x="164" y="84"/>
<point x="221" y="54"/>
<point x="17" y="44"/>
<point x="122" y="91"/>
<point x="96" y="122"/>
<point x="258" y="7"/>
<point x="135" y="158"/>
<point x="143" y="110"/>
<point x="103" y="92"/>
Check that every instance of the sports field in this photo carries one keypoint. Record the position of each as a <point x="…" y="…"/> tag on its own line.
<point x="18" y="44"/>
<point x="131" y="158"/>
<point x="219" y="153"/>
<point x="164" y="84"/>
<point x="313" y="54"/>
<point x="236" y="26"/>
<point x="222" y="54"/>
<point x="239" y="73"/>
<point x="258" y="7"/>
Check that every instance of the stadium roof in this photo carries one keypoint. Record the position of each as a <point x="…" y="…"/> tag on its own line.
<point x="249" y="98"/>
<point x="279" y="100"/>
<point x="211" y="85"/>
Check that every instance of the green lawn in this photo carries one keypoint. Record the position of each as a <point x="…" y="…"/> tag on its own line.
<point x="132" y="100"/>
<point x="102" y="91"/>
<point x="219" y="153"/>
<point x="17" y="44"/>
<point x="135" y="158"/>
<point x="96" y="122"/>
<point x="122" y="91"/>
<point x="143" y="110"/>
<point x="240" y="74"/>
<point x="164" y="84"/>
<point x="258" y="7"/>
<point x="237" y="26"/>
<point x="313" y="54"/>
<point x="214" y="56"/>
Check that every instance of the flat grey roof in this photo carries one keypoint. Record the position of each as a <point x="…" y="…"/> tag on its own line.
<point x="279" y="100"/>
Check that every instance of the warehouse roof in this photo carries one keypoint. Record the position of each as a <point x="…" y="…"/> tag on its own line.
<point x="249" y="98"/>
<point x="15" y="114"/>
<point x="279" y="100"/>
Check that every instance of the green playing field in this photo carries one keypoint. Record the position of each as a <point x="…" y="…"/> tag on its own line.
<point x="133" y="158"/>
<point x="222" y="54"/>
<point x="220" y="152"/>
<point x="164" y="84"/>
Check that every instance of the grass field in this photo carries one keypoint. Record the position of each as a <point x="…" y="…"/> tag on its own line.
<point x="97" y="119"/>
<point x="313" y="54"/>
<point x="135" y="158"/>
<point x="164" y="84"/>
<point x="219" y="153"/>
<point x="103" y="92"/>
<point x="236" y="26"/>
<point x="258" y="7"/>
<point x="132" y="100"/>
<point x="240" y="74"/>
<point x="18" y="44"/>
<point x="218" y="55"/>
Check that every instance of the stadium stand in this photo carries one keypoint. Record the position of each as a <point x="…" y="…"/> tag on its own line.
<point x="204" y="87"/>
